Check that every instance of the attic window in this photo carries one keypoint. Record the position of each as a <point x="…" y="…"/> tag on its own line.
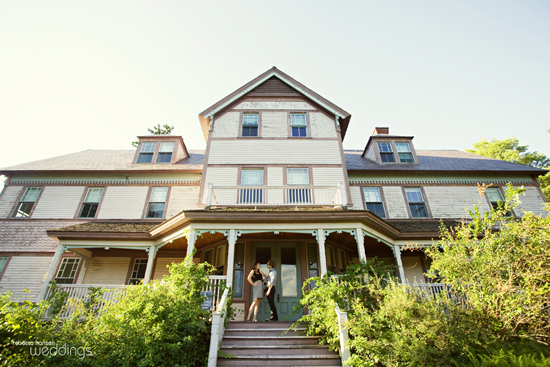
<point x="298" y="124"/>
<point x="250" y="124"/>
<point x="146" y="153"/>
<point x="404" y="152"/>
<point x="386" y="153"/>
<point x="165" y="152"/>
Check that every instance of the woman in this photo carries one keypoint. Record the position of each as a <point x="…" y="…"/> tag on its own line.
<point x="256" y="278"/>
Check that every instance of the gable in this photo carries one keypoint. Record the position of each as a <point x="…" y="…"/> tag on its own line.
<point x="273" y="86"/>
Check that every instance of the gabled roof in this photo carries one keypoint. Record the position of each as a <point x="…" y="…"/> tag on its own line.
<point x="439" y="160"/>
<point x="206" y="116"/>
<point x="106" y="160"/>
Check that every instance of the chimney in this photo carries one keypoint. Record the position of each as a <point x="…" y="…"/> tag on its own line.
<point x="381" y="131"/>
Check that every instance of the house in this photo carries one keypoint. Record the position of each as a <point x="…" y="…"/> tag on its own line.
<point x="274" y="182"/>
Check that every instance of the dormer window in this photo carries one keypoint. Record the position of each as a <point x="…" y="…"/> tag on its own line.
<point x="146" y="153"/>
<point x="298" y="124"/>
<point x="386" y="153"/>
<point x="165" y="152"/>
<point x="250" y="124"/>
<point x="404" y="152"/>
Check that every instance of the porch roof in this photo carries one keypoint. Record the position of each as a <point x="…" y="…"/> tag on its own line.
<point x="110" y="230"/>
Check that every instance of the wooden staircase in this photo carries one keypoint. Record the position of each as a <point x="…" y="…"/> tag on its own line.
<point x="265" y="344"/>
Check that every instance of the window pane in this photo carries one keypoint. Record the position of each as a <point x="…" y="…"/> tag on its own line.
<point x="376" y="208"/>
<point x="387" y="157"/>
<point x="250" y="131"/>
<point x="158" y="194"/>
<point x="138" y="272"/>
<point x="494" y="194"/>
<point x="166" y="147"/>
<point x="250" y="119"/>
<point x="312" y="258"/>
<point x="406" y="157"/>
<point x="372" y="194"/>
<point x="252" y="177"/>
<point x="155" y="210"/>
<point x="23" y="210"/>
<point x="297" y="176"/>
<point x="164" y="158"/>
<point x="341" y="260"/>
<point x="31" y="194"/>
<point x="148" y="147"/>
<point x="418" y="210"/>
<point x="68" y="268"/>
<point x="298" y="119"/>
<point x="145" y="158"/>
<point x="88" y="210"/>
<point x="384" y="147"/>
<point x="403" y="147"/>
<point x="299" y="131"/>
<point x="94" y="195"/>
<point x="414" y="195"/>
<point x="289" y="272"/>
<point x="3" y="262"/>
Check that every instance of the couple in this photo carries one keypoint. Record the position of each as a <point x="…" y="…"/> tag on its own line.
<point x="257" y="278"/>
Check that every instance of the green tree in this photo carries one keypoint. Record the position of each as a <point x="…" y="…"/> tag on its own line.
<point x="510" y="150"/>
<point x="158" y="129"/>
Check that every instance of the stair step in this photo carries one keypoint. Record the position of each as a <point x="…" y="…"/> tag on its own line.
<point x="284" y="356"/>
<point x="263" y="333"/>
<point x="264" y="343"/>
<point x="304" y="350"/>
<point x="270" y="329"/>
<point x="262" y="325"/>
<point x="255" y="337"/>
<point x="267" y="347"/>
<point x="301" y="362"/>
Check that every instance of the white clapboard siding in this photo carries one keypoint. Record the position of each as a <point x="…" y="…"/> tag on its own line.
<point x="58" y="202"/>
<point x="327" y="176"/>
<point x="221" y="176"/>
<point x="356" y="198"/>
<point x="253" y="105"/>
<point x="532" y="201"/>
<point x="161" y="268"/>
<point x="182" y="198"/>
<point x="453" y="201"/>
<point x="275" y="176"/>
<point x="371" y="154"/>
<point x="260" y="151"/>
<point x="395" y="202"/>
<point x="322" y="126"/>
<point x="7" y="200"/>
<point x="108" y="270"/>
<point x="413" y="269"/>
<point x="274" y="125"/>
<point x="25" y="272"/>
<point x="123" y="202"/>
<point x="227" y="125"/>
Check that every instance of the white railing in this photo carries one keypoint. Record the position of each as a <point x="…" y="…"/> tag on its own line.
<point x="82" y="292"/>
<point x="218" y="329"/>
<point x="216" y="285"/>
<point x="433" y="289"/>
<point x="344" y="335"/>
<point x="276" y="196"/>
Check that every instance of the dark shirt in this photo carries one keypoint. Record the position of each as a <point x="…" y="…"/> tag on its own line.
<point x="257" y="276"/>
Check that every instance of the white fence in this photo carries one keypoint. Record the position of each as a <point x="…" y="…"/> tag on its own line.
<point x="275" y="196"/>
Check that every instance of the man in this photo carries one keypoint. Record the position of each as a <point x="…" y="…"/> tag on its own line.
<point x="270" y="294"/>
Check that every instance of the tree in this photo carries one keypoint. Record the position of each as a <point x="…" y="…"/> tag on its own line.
<point x="510" y="150"/>
<point x="500" y="267"/>
<point x="157" y="130"/>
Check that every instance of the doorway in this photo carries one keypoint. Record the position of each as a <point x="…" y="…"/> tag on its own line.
<point x="288" y="286"/>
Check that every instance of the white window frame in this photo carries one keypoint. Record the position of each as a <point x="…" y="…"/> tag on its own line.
<point x="166" y="148"/>
<point x="302" y="124"/>
<point x="384" y="152"/>
<point x="134" y="275"/>
<point x="378" y="195"/>
<point x="24" y="200"/>
<point x="407" y="152"/>
<point x="75" y="265"/>
<point x="147" y="149"/>
<point x="151" y="198"/>
<point x="247" y="124"/>
<point x="422" y="202"/>
<point x="91" y="203"/>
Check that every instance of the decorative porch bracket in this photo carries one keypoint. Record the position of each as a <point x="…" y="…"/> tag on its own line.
<point x="396" y="251"/>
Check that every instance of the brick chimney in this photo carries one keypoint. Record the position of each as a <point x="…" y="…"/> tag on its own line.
<point x="381" y="131"/>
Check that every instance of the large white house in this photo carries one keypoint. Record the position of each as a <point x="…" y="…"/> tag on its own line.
<point x="274" y="182"/>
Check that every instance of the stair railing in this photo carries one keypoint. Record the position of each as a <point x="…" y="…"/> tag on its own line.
<point x="344" y="335"/>
<point x="218" y="328"/>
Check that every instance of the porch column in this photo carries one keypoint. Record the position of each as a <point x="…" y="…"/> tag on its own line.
<point x="361" y="245"/>
<point x="397" y="252"/>
<point x="150" y="261"/>
<point x="231" y="256"/>
<point x="322" y="252"/>
<point x="191" y="238"/>
<point x="53" y="267"/>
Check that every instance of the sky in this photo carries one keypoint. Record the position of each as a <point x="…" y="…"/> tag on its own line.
<point x="77" y="75"/>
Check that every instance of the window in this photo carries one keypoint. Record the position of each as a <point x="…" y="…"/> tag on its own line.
<point x="386" y="153"/>
<point x="298" y="124"/>
<point x="404" y="152"/>
<point x="238" y="272"/>
<point x="496" y="199"/>
<point x="165" y="152"/>
<point x="416" y="203"/>
<point x="331" y="259"/>
<point x="3" y="262"/>
<point x="146" y="153"/>
<point x="312" y="263"/>
<point x="298" y="176"/>
<point x="220" y="260"/>
<point x="138" y="272"/>
<point x="157" y="201"/>
<point x="252" y="177"/>
<point x="250" y="124"/>
<point x="373" y="201"/>
<point x="342" y="264"/>
<point x="67" y="270"/>
<point x="91" y="202"/>
<point x="24" y="207"/>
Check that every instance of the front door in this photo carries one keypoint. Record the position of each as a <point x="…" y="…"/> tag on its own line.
<point x="289" y="287"/>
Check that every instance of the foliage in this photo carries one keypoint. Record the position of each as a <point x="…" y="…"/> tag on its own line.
<point x="158" y="324"/>
<point x="57" y="299"/>
<point x="509" y="150"/>
<point x="501" y="267"/>
<point x="157" y="130"/>
<point x="519" y="353"/>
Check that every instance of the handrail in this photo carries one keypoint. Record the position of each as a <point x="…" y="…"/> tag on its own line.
<point x="218" y="329"/>
<point x="344" y="335"/>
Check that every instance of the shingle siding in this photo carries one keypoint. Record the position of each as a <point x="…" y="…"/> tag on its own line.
<point x="28" y="235"/>
<point x="7" y="200"/>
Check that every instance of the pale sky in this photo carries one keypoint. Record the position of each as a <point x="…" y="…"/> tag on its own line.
<point x="78" y="75"/>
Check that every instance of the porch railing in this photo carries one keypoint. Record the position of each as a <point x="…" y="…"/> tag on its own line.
<point x="276" y="196"/>
<point x="218" y="329"/>
<point x="344" y="335"/>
